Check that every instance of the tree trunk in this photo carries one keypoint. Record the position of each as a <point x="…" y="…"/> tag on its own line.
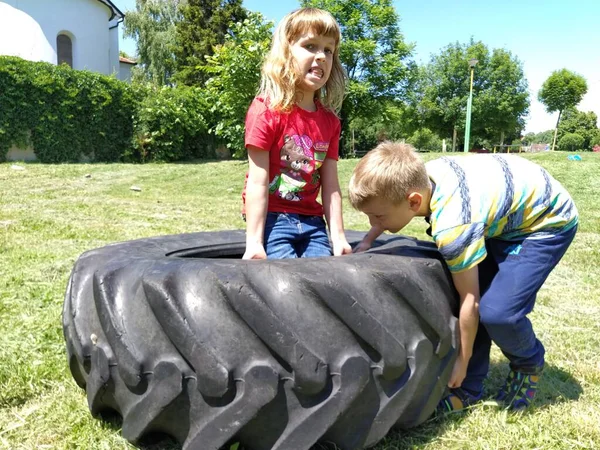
<point x="454" y="140"/>
<point x="556" y="130"/>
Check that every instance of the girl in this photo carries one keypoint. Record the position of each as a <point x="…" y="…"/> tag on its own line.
<point x="292" y="138"/>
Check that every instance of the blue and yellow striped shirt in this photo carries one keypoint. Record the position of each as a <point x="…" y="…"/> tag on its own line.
<point x="492" y="196"/>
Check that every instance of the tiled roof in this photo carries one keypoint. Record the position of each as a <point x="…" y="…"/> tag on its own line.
<point x="126" y="60"/>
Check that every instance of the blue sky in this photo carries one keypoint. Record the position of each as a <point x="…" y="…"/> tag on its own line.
<point x="545" y="35"/>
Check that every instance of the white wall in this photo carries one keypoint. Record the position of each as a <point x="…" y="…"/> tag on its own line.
<point x="85" y="21"/>
<point x="113" y="48"/>
<point x="22" y="36"/>
<point x="125" y="71"/>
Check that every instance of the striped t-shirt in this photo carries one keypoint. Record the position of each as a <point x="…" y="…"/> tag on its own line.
<point x="492" y="196"/>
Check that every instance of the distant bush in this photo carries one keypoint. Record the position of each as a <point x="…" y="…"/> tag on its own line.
<point x="571" y="142"/>
<point x="425" y="140"/>
<point x="63" y="113"/>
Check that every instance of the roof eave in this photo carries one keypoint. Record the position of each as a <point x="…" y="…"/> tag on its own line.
<point x="114" y="11"/>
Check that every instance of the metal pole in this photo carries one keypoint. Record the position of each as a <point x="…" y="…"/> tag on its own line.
<point x="469" y="102"/>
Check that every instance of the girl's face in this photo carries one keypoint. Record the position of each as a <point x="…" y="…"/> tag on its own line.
<point x="313" y="55"/>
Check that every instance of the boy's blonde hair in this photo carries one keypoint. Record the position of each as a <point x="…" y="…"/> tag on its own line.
<point x="279" y="72"/>
<point x="389" y="171"/>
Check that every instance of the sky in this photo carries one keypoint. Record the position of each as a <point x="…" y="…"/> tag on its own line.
<point x="544" y="35"/>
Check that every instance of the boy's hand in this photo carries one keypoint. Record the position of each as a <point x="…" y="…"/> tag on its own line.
<point x="362" y="247"/>
<point x="255" y="251"/>
<point x="459" y="372"/>
<point x="341" y="247"/>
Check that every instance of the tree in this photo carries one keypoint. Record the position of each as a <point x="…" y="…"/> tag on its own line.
<point x="581" y="123"/>
<point x="152" y="24"/>
<point x="372" y="52"/>
<point x="234" y="71"/>
<point x="204" y="25"/>
<point x="500" y="95"/>
<point x="563" y="89"/>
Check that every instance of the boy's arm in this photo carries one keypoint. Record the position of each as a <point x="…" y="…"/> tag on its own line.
<point x="467" y="285"/>
<point x="369" y="238"/>
<point x="332" y="206"/>
<point x="257" y="201"/>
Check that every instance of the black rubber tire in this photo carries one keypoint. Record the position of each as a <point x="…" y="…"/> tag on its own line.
<point x="180" y="338"/>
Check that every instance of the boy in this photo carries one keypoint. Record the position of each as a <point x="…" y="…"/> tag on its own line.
<point x="501" y="223"/>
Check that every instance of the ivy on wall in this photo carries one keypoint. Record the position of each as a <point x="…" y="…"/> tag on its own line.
<point x="67" y="114"/>
<point x="63" y="113"/>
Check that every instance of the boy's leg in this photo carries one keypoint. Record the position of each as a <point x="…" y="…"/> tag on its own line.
<point x="315" y="241"/>
<point x="281" y="230"/>
<point x="523" y="268"/>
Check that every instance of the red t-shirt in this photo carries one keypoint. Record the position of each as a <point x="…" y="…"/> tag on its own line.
<point x="298" y="142"/>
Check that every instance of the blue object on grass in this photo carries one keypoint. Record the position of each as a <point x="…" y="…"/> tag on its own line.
<point x="574" y="158"/>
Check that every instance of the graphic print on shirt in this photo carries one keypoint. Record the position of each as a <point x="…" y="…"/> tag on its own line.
<point x="300" y="160"/>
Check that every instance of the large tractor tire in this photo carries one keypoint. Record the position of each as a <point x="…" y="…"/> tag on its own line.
<point x="179" y="336"/>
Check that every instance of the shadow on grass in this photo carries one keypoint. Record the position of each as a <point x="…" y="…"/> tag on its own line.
<point x="556" y="386"/>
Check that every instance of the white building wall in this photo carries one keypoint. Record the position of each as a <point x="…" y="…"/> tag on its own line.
<point x="22" y="36"/>
<point x="85" y="21"/>
<point x="125" y="71"/>
<point x="113" y="48"/>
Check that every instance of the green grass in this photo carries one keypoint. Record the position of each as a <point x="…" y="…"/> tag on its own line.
<point x="50" y="214"/>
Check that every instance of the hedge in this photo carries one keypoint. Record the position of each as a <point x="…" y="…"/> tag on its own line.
<point x="68" y="114"/>
<point x="63" y="113"/>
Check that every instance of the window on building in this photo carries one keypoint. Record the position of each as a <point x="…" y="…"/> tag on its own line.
<point x="64" y="49"/>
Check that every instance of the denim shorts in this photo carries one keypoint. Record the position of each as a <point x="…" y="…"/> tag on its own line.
<point x="295" y="236"/>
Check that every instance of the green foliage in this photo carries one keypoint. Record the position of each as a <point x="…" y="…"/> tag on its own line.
<point x="366" y="133"/>
<point x="563" y="89"/>
<point x="204" y="25"/>
<point x="152" y="25"/>
<point x="234" y="71"/>
<point x="170" y="126"/>
<point x="425" y="140"/>
<point x="545" y="137"/>
<point x="63" y="113"/>
<point x="500" y="94"/>
<point x="571" y="142"/>
<point x="582" y="123"/>
<point x="373" y="53"/>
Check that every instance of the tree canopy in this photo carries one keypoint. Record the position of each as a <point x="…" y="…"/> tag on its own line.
<point x="204" y="25"/>
<point x="500" y="94"/>
<point x="563" y="89"/>
<point x="152" y="24"/>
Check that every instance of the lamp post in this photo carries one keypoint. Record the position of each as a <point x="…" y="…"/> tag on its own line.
<point x="472" y="63"/>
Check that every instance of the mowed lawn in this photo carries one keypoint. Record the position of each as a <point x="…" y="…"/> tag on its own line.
<point x="50" y="214"/>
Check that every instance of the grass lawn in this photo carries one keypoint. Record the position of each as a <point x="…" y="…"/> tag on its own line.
<point x="50" y="214"/>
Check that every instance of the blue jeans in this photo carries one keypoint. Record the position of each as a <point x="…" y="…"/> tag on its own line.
<point x="509" y="279"/>
<point x="295" y="236"/>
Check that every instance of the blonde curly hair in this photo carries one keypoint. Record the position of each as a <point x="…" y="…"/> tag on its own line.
<point x="279" y="72"/>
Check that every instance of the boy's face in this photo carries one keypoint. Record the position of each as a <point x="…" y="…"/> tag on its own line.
<point x="390" y="216"/>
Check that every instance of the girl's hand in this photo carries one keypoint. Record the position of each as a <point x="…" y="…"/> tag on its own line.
<point x="255" y="251"/>
<point x="459" y="372"/>
<point x="341" y="247"/>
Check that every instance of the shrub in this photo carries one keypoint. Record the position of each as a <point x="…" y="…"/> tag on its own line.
<point x="170" y="125"/>
<point x="571" y="142"/>
<point x="63" y="113"/>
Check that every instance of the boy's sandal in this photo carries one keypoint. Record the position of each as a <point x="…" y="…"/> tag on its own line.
<point x="457" y="400"/>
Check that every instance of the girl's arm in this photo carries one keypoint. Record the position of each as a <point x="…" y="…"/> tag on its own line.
<point x="257" y="201"/>
<point x="332" y="205"/>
